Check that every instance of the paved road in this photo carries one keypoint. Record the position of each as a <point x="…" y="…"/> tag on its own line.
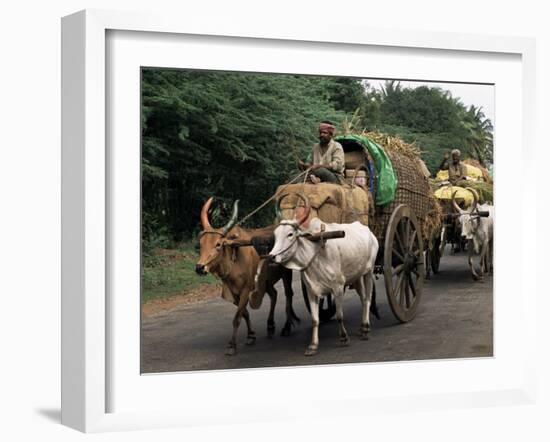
<point x="454" y="320"/>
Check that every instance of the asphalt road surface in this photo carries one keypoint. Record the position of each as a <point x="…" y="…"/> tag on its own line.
<point x="454" y="320"/>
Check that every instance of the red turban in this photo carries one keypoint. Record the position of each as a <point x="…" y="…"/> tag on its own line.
<point x="328" y="127"/>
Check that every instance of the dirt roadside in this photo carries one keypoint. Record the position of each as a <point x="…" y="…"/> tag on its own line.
<point x="195" y="296"/>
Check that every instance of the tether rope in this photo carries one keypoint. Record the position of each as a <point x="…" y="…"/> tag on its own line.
<point x="261" y="206"/>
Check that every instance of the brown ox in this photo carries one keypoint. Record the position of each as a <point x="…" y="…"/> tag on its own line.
<point x="236" y="267"/>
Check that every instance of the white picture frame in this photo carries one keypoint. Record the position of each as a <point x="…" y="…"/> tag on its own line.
<point x="87" y="356"/>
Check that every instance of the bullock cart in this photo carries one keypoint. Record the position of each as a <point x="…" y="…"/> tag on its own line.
<point x="394" y="199"/>
<point x="461" y="226"/>
<point x="450" y="232"/>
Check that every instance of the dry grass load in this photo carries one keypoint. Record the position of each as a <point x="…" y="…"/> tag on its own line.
<point x="484" y="190"/>
<point x="413" y="186"/>
<point x="484" y="171"/>
<point x="395" y="144"/>
<point x="434" y="218"/>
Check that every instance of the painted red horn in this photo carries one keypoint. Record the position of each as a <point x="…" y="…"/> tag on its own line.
<point x="204" y="214"/>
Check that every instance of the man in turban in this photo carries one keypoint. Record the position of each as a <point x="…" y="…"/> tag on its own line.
<point x="327" y="155"/>
<point x="457" y="169"/>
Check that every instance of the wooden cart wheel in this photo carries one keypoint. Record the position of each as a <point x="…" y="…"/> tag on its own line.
<point x="404" y="268"/>
<point x="327" y="307"/>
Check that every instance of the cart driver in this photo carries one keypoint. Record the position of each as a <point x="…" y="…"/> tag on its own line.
<point x="457" y="169"/>
<point x="328" y="157"/>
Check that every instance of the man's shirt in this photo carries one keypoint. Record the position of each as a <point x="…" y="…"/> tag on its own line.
<point x="456" y="172"/>
<point x="331" y="156"/>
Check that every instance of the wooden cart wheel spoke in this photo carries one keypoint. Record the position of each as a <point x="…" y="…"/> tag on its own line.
<point x="407" y="233"/>
<point x="403" y="258"/>
<point x="398" y="269"/>
<point x="401" y="296"/>
<point x="400" y="243"/>
<point x="412" y="285"/>
<point x="399" y="255"/>
<point x="405" y="236"/>
<point x="411" y="240"/>
<point x="407" y="295"/>
<point x="399" y="285"/>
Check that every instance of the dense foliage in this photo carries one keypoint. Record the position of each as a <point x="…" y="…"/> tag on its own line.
<point x="237" y="135"/>
<point x="433" y="119"/>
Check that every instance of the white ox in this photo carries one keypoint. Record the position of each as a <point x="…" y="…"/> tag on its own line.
<point x="328" y="268"/>
<point x="477" y="227"/>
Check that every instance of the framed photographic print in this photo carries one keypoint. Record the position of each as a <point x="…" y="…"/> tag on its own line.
<point x="373" y="163"/>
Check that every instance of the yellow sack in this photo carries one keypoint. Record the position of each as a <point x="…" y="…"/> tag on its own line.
<point x="471" y="171"/>
<point x="446" y="193"/>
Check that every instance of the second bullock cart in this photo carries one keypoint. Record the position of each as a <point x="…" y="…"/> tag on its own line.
<point x="388" y="190"/>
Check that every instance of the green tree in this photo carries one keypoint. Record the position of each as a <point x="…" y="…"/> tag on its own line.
<point x="435" y="120"/>
<point x="479" y="135"/>
<point x="232" y="135"/>
<point x="238" y="136"/>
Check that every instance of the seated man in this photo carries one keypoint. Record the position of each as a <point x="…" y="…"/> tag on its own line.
<point x="328" y="157"/>
<point x="457" y="169"/>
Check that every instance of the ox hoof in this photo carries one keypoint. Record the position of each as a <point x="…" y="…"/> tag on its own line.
<point x="250" y="340"/>
<point x="311" y="350"/>
<point x="344" y="342"/>
<point x="270" y="332"/>
<point x="285" y="331"/>
<point x="230" y="351"/>
<point x="364" y="332"/>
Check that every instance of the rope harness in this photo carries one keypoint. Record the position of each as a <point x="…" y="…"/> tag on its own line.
<point x="261" y="206"/>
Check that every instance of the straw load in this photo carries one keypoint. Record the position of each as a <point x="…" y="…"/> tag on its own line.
<point x="413" y="187"/>
<point x="483" y="189"/>
<point x="485" y="173"/>
<point x="477" y="177"/>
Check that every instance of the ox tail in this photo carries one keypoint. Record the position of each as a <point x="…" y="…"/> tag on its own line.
<point x="373" y="306"/>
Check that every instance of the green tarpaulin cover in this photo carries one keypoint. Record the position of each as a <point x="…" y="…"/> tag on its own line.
<point x="387" y="178"/>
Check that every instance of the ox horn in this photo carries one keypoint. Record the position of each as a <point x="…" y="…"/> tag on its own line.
<point x="233" y="219"/>
<point x="304" y="198"/>
<point x="278" y="211"/>
<point x="476" y="198"/>
<point x="204" y="214"/>
<point x="456" y="206"/>
<point x="305" y="215"/>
